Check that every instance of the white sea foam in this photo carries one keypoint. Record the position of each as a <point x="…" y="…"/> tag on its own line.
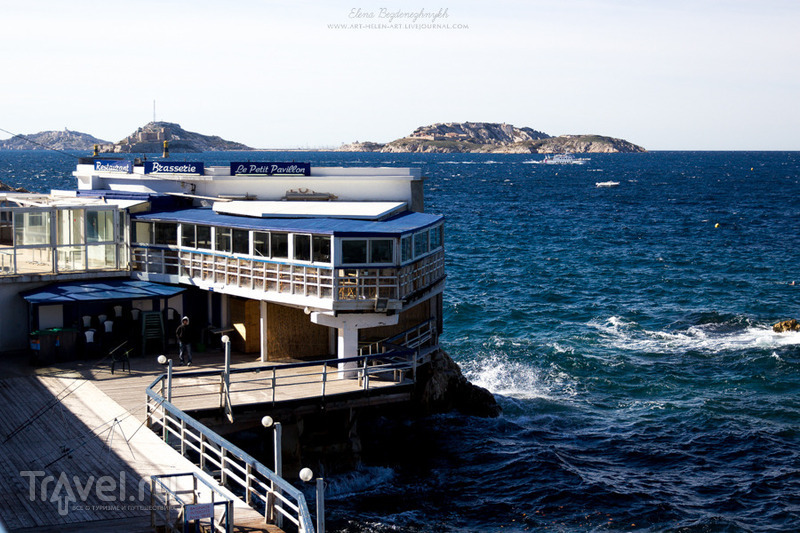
<point x="515" y="379"/>
<point x="706" y="338"/>
<point x="363" y="480"/>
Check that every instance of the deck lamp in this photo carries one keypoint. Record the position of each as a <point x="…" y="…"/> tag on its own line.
<point x="306" y="475"/>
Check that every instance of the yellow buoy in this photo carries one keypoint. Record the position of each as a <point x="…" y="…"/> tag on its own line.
<point x="716" y="225"/>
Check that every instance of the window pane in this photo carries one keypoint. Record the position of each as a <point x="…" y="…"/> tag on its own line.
<point x="321" y="249"/>
<point x="69" y="226"/>
<point x="380" y="251"/>
<point x="223" y="240"/>
<point x="302" y="247"/>
<point x="261" y="244"/>
<point x="166" y="233"/>
<point x="407" y="249"/>
<point x="143" y="233"/>
<point x="31" y="228"/>
<point x="436" y="237"/>
<point x="420" y="243"/>
<point x="279" y="245"/>
<point x="354" y="252"/>
<point x="203" y="237"/>
<point x="101" y="224"/>
<point x="187" y="236"/>
<point x="241" y="241"/>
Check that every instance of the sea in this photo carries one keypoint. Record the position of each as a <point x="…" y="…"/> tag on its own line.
<point x="625" y="331"/>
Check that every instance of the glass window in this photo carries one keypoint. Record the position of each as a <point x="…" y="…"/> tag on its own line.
<point x="406" y="249"/>
<point x="31" y="228"/>
<point x="241" y="241"/>
<point x="99" y="226"/>
<point x="321" y="249"/>
<point x="302" y="247"/>
<point x="203" y="234"/>
<point x="69" y="226"/>
<point x="436" y="237"/>
<point x="279" y="245"/>
<point x="420" y="243"/>
<point x="381" y="251"/>
<point x="261" y="244"/>
<point x="143" y="233"/>
<point x="223" y="243"/>
<point x="166" y="233"/>
<point x="354" y="251"/>
<point x="188" y="237"/>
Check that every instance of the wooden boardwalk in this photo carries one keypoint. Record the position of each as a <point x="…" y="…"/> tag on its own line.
<point x="73" y="459"/>
<point x="73" y="425"/>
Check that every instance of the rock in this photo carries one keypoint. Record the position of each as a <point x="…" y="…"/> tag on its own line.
<point x="52" y="140"/>
<point x="150" y="139"/>
<point x="366" y="146"/>
<point x="9" y="188"/>
<point x="442" y="387"/>
<point x="488" y="137"/>
<point x="786" y="325"/>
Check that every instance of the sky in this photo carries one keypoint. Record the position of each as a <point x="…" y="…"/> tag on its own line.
<point x="666" y="74"/>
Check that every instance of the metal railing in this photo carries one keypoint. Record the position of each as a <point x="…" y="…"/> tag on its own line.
<point x="394" y="362"/>
<point x="339" y="284"/>
<point x="175" y="503"/>
<point x="228" y="463"/>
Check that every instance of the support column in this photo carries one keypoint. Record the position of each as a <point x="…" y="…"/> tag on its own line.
<point x="263" y="330"/>
<point x="346" y="347"/>
<point x="347" y="327"/>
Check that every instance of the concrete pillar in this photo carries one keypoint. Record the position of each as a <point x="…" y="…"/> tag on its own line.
<point x="347" y="326"/>
<point x="346" y="347"/>
<point x="263" y="326"/>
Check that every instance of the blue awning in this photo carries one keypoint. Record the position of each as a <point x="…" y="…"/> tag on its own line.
<point x="84" y="291"/>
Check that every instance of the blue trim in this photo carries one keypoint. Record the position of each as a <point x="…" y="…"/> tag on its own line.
<point x="83" y="291"/>
<point x="402" y="224"/>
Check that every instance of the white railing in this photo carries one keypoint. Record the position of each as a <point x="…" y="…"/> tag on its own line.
<point x="229" y="464"/>
<point x="339" y="284"/>
<point x="175" y="500"/>
<point x="395" y="361"/>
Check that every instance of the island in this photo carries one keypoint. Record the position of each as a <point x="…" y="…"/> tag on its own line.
<point x="52" y="140"/>
<point x="150" y="139"/>
<point x="488" y="137"/>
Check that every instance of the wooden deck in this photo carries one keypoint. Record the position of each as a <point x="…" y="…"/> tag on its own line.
<point x="75" y="423"/>
<point x="72" y="458"/>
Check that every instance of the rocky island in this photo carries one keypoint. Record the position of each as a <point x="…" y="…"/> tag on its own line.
<point x="487" y="137"/>
<point x="52" y="140"/>
<point x="150" y="139"/>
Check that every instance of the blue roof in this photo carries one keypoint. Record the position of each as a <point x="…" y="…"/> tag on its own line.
<point x="114" y="289"/>
<point x="407" y="222"/>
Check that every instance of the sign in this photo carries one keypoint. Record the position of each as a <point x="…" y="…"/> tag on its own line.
<point x="175" y="167"/>
<point x="270" y="169"/>
<point x="198" y="511"/>
<point x="113" y="165"/>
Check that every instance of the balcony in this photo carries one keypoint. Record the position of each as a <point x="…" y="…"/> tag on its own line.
<point x="329" y="287"/>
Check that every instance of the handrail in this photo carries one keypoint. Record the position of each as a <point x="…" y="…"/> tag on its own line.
<point x="294" y="506"/>
<point x="400" y="354"/>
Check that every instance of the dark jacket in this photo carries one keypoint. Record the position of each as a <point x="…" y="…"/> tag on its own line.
<point x="184" y="333"/>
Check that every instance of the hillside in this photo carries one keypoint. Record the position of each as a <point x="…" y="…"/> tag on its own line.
<point x="484" y="137"/>
<point x="150" y="139"/>
<point x="52" y="140"/>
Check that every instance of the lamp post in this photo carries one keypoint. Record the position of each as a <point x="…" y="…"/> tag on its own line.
<point x="277" y="435"/>
<point x="306" y="475"/>
<point x="162" y="360"/>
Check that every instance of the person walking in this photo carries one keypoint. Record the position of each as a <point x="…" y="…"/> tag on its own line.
<point x="184" y="336"/>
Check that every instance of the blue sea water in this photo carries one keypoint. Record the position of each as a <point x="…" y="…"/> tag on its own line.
<point x="625" y="331"/>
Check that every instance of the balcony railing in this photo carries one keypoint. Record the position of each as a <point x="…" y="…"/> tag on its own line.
<point x="338" y="284"/>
